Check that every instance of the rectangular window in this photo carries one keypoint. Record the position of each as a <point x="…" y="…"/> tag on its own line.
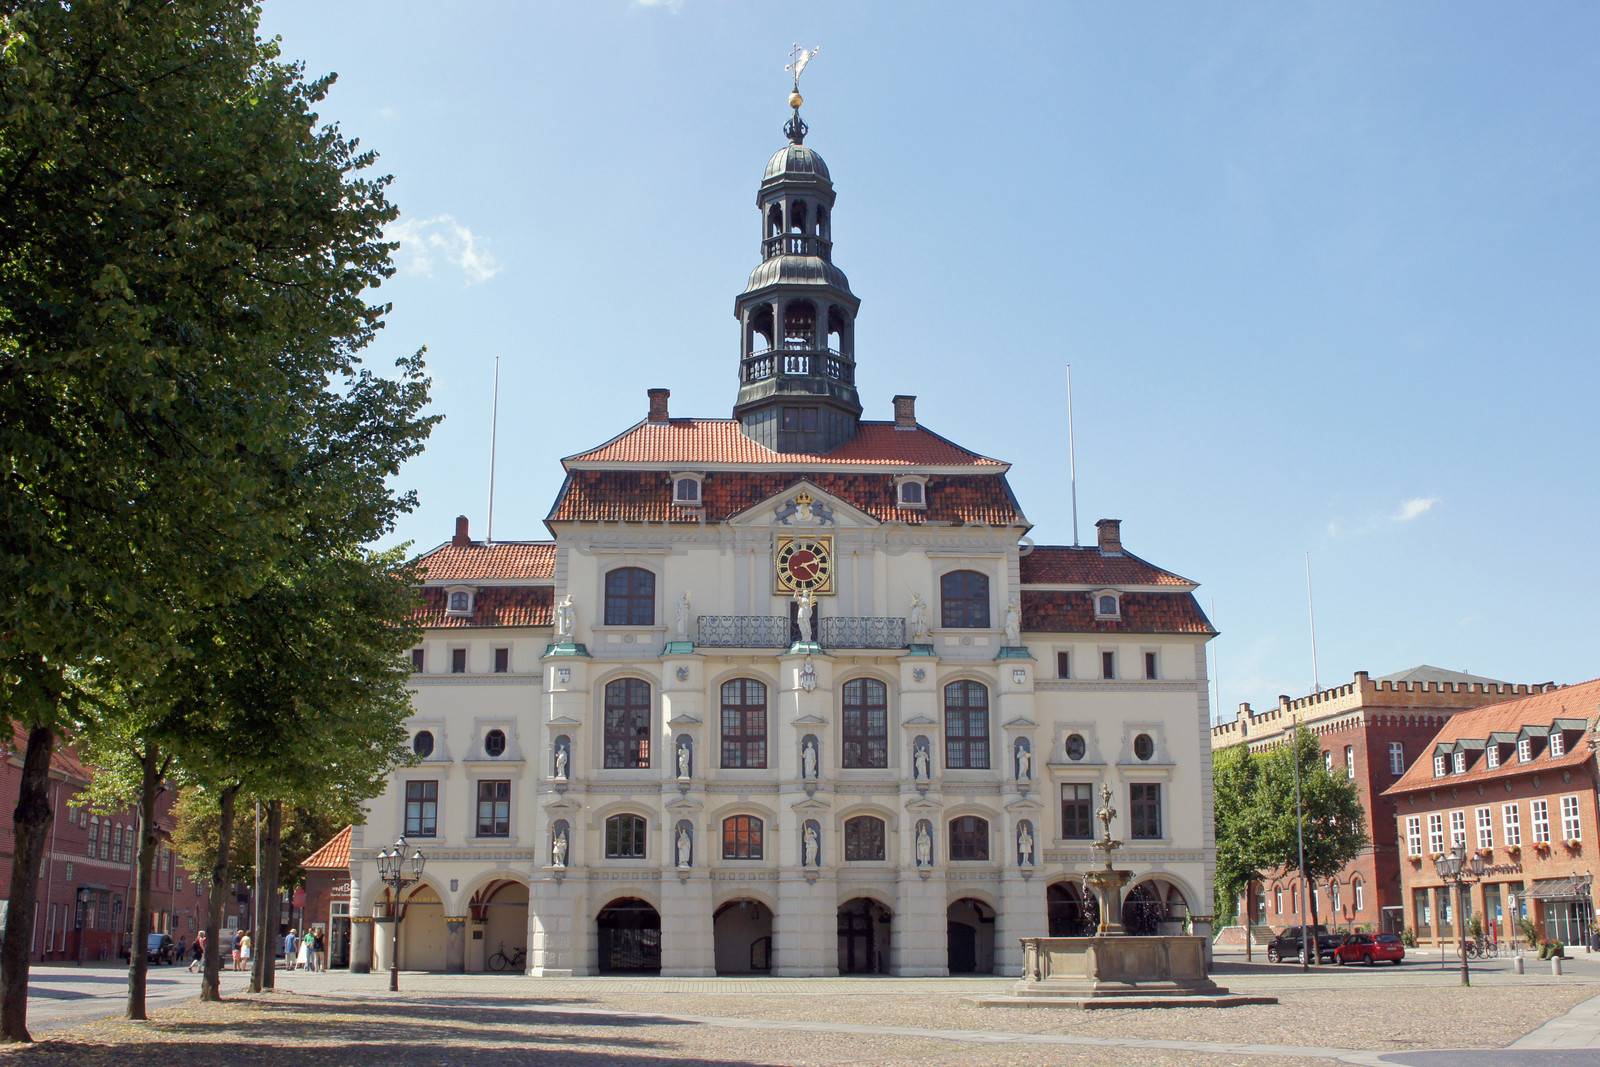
<point x="502" y="660"/>
<point x="1077" y="811"/>
<point x="966" y="726"/>
<point x="1063" y="665"/>
<point x="1419" y="903"/>
<point x="1397" y="758"/>
<point x="1459" y="762"/>
<point x="1558" y="744"/>
<point x="1491" y="755"/>
<point x="1438" y="766"/>
<point x="1349" y="761"/>
<point x="422" y="809"/>
<point x="1511" y="820"/>
<point x="1150" y="665"/>
<point x="494" y="809"/>
<point x="969" y="839"/>
<point x="1108" y="664"/>
<point x="625" y="837"/>
<point x="1447" y="912"/>
<point x="1525" y="750"/>
<point x="1540" y="817"/>
<point x="1413" y="835"/>
<point x="1436" y="834"/>
<point x="1458" y="828"/>
<point x="866" y="724"/>
<point x="1144" y="804"/>
<point x="458" y="661"/>
<point x="1327" y="761"/>
<point x="1485" y="828"/>
<point x="1571" y="827"/>
<point x="863" y="839"/>
<point x="1277" y="900"/>
<point x="416" y="660"/>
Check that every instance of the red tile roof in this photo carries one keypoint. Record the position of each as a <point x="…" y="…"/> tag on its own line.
<point x="534" y="560"/>
<point x="646" y="496"/>
<point x="1063" y="565"/>
<point x="706" y="442"/>
<point x="1056" y="611"/>
<point x="333" y="856"/>
<point x="1581" y="701"/>
<point x="511" y="605"/>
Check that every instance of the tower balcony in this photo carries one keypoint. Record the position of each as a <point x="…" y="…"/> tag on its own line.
<point x="797" y="244"/>
<point x="802" y="361"/>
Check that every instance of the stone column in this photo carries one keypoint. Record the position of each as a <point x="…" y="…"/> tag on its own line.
<point x="361" y="944"/>
<point x="557" y="931"/>
<point x="688" y="945"/>
<point x="1023" y="913"/>
<point x="919" y="933"/>
<point x="805" y="938"/>
<point x="455" y="944"/>
<point x="382" y="941"/>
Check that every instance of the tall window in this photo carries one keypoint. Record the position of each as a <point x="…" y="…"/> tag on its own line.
<point x="1558" y="744"/>
<point x="1458" y="763"/>
<point x="1511" y="820"/>
<point x="1108" y="665"/>
<point x="1436" y="834"/>
<point x="1277" y="900"/>
<point x="1063" y="664"/>
<point x="1144" y="806"/>
<point x="630" y="597"/>
<point x="416" y="660"/>
<point x="1077" y="811"/>
<point x="1485" y="828"/>
<point x="625" y="837"/>
<point x="627" y="726"/>
<point x="1525" y="750"/>
<point x="1571" y="826"/>
<point x="863" y="839"/>
<point x="458" y="661"/>
<point x="1359" y="897"/>
<point x="1539" y="812"/>
<point x="1413" y="835"/>
<point x="494" y="809"/>
<point x="966" y="726"/>
<point x="1491" y="756"/>
<point x="502" y="660"/>
<point x="1438" y="765"/>
<point x="969" y="838"/>
<point x="1458" y="828"/>
<point x="741" y="837"/>
<point x="964" y="600"/>
<point x="744" y="723"/>
<point x="1349" y="761"/>
<point x="1333" y="895"/>
<point x="866" y="723"/>
<point x="1397" y="757"/>
<point x="422" y="809"/>
<point x="1150" y="665"/>
<point x="94" y="836"/>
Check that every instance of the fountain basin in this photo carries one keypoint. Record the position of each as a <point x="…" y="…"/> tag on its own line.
<point x="1118" y="972"/>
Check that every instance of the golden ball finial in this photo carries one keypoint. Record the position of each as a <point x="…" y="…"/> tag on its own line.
<point x="795" y="100"/>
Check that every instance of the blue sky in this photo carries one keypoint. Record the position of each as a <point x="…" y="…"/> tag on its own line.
<point x="1326" y="274"/>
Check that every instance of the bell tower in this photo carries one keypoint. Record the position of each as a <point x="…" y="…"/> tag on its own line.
<point x="797" y="366"/>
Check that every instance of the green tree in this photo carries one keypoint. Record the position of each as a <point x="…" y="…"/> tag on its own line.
<point x="1234" y="776"/>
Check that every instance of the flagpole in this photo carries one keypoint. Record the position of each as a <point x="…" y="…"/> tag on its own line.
<point x="494" y="427"/>
<point x="1311" y="612"/>
<point x="1072" y="458"/>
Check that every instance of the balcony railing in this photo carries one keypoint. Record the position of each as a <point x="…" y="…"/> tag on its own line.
<point x="790" y="362"/>
<point x="778" y="631"/>
<point x="847" y="631"/>
<point x="796" y="244"/>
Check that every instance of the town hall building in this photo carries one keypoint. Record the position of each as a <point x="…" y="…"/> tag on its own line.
<point x="789" y="692"/>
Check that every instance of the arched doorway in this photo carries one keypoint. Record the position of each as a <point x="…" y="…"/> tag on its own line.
<point x="742" y="930"/>
<point x="630" y="937"/>
<point x="422" y="932"/>
<point x="501" y="907"/>
<point x="864" y="937"/>
<point x="1152" y="903"/>
<point x="1072" y="912"/>
<point x="969" y="926"/>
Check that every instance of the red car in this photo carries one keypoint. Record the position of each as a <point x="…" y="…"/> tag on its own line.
<point x="1369" y="949"/>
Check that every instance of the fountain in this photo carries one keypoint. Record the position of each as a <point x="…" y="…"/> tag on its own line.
<point x="1111" y="969"/>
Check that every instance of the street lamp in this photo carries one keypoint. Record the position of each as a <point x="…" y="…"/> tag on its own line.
<point x="1454" y="867"/>
<point x="392" y="864"/>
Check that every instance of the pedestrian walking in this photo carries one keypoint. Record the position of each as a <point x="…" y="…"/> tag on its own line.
<point x="238" y="946"/>
<point x="199" y="950"/>
<point x="307" y="946"/>
<point x="289" y="941"/>
<point x="320" y="952"/>
<point x="244" y="951"/>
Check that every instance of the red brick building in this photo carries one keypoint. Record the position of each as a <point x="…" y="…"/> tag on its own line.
<point x="1370" y="730"/>
<point x="87" y="880"/>
<point x="327" y="896"/>
<point x="1516" y="783"/>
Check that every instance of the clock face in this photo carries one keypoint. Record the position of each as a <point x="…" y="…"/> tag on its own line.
<point x="805" y="563"/>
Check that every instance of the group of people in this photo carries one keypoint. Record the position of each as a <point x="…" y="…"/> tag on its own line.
<point x="306" y="952"/>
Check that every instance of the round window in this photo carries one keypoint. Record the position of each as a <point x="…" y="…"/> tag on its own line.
<point x="494" y="742"/>
<point x="422" y="744"/>
<point x="1143" y="747"/>
<point x="1076" y="747"/>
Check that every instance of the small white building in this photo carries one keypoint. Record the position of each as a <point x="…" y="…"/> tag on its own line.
<point x="789" y="692"/>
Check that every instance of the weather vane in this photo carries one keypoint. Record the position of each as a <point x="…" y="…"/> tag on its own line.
<point x="798" y="58"/>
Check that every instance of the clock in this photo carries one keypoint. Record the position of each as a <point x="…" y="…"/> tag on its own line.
<point x="805" y="564"/>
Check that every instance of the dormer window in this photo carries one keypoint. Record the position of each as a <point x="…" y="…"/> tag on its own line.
<point x="1491" y="755"/>
<point x="1525" y="750"/>
<point x="1438" y="766"/>
<point x="1107" y="604"/>
<point x="1558" y="744"/>
<point x="458" y="602"/>
<point x="686" y="490"/>
<point x="1459" y="763"/>
<point x="911" y="491"/>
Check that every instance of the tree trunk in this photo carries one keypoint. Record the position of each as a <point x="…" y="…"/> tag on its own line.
<point x="211" y="980"/>
<point x="263" y="968"/>
<point x="32" y="828"/>
<point x="138" y="961"/>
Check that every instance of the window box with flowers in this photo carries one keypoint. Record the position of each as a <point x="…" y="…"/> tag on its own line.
<point x="1541" y="847"/>
<point x="1437" y="856"/>
<point x="1573" y="844"/>
<point x="1513" y="850"/>
<point x="1486" y="852"/>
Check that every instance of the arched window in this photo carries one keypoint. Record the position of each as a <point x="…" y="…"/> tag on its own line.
<point x="741" y="837"/>
<point x="1106" y="605"/>
<point x="969" y="838"/>
<point x="1357" y="894"/>
<point x="964" y="600"/>
<point x="863" y="839"/>
<point x="627" y="726"/>
<point x="460" y="602"/>
<point x="966" y="726"/>
<point x="744" y="723"/>
<point x="630" y="597"/>
<point x="94" y="836"/>
<point x="866" y="723"/>
<point x="625" y="837"/>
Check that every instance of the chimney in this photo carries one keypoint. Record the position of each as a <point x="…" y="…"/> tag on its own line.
<point x="1110" y="536"/>
<point x="905" y="413"/>
<point x="658" y="404"/>
<point x="462" y="538"/>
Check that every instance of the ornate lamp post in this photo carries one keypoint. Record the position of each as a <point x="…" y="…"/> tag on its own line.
<point x="392" y="864"/>
<point x="1457" y="870"/>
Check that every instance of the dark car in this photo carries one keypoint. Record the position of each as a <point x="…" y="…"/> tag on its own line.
<point x="160" y="948"/>
<point x="1288" y="945"/>
<point x="1369" y="949"/>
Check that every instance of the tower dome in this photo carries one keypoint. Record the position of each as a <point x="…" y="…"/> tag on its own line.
<point x="796" y="162"/>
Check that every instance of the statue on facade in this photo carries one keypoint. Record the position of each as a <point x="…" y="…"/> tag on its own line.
<point x="804" y="603"/>
<point x="813" y="846"/>
<point x="924" y="845"/>
<point x="558" y="849"/>
<point x="808" y="760"/>
<point x="919" y="763"/>
<point x="918" y="620"/>
<point x="1024" y="846"/>
<point x="682" y="619"/>
<point x="685" y="847"/>
<point x="1013" y="624"/>
<point x="683" y="759"/>
<point x="1024" y="762"/>
<point x="566" y="618"/>
<point x="561" y="761"/>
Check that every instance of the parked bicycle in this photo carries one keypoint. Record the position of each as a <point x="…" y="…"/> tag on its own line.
<point x="1480" y="948"/>
<point x="502" y="962"/>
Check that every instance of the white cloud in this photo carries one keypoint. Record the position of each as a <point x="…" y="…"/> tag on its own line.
<point x="423" y="241"/>
<point x="1416" y="506"/>
<point x="388" y="112"/>
<point x="673" y="6"/>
